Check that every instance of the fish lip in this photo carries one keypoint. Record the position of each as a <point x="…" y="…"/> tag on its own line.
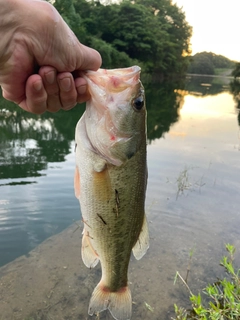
<point x="114" y="80"/>
<point x="126" y="73"/>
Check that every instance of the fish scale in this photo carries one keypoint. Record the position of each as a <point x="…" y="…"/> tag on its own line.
<point x="110" y="183"/>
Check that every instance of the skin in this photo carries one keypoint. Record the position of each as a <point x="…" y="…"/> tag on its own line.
<point x="111" y="192"/>
<point x="40" y="58"/>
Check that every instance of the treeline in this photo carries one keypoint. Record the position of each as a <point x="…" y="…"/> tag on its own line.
<point x="235" y="86"/>
<point x="151" y="33"/>
<point x="208" y="62"/>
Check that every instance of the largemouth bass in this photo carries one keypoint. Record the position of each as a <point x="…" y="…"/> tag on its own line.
<point x="110" y="183"/>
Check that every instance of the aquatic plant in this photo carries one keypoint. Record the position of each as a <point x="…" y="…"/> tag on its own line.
<point x="223" y="296"/>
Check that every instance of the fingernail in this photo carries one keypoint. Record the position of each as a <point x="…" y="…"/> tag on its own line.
<point x="50" y="77"/>
<point x="65" y="84"/>
<point x="37" y="85"/>
<point x="81" y="89"/>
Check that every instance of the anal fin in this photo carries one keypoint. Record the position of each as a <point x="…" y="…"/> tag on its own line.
<point x="142" y="243"/>
<point x="119" y="303"/>
<point x="89" y="255"/>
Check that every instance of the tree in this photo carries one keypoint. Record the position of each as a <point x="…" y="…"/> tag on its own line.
<point x="67" y="10"/>
<point x="201" y="64"/>
<point x="235" y="86"/>
<point x="236" y="71"/>
<point x="206" y="62"/>
<point x="153" y="33"/>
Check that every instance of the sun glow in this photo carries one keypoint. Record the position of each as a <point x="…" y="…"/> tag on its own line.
<point x="215" y="26"/>
<point x="209" y="106"/>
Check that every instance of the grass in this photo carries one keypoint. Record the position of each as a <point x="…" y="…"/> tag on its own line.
<point x="183" y="182"/>
<point x="222" y="297"/>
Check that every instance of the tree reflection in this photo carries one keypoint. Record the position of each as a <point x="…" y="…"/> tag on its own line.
<point x="29" y="142"/>
<point x="235" y="88"/>
<point x="163" y="102"/>
<point x="199" y="85"/>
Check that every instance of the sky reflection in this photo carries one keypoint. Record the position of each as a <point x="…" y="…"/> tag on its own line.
<point x="220" y="105"/>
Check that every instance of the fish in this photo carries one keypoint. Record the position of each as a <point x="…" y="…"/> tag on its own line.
<point x="110" y="182"/>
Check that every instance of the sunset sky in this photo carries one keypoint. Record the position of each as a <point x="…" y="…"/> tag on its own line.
<point x="215" y="26"/>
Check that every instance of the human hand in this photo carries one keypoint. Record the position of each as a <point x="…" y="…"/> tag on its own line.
<point x="39" y="55"/>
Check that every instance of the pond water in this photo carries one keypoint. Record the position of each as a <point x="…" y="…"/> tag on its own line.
<point x="192" y="197"/>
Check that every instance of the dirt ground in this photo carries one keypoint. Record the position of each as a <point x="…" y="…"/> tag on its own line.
<point x="47" y="283"/>
<point x="52" y="283"/>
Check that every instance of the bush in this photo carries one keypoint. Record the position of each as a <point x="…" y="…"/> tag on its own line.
<point x="223" y="296"/>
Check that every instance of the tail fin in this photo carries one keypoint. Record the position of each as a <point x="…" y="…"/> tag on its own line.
<point x="118" y="303"/>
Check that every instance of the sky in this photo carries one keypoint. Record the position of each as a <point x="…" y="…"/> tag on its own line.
<point x="216" y="26"/>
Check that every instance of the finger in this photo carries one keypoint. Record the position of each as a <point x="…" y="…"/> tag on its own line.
<point x="49" y="77"/>
<point x="89" y="59"/>
<point x="82" y="92"/>
<point x="68" y="92"/>
<point x="10" y="94"/>
<point x="36" y="96"/>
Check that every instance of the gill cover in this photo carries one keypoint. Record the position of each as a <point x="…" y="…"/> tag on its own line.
<point x="115" y="114"/>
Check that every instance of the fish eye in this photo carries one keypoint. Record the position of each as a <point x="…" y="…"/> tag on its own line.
<point x="138" y="103"/>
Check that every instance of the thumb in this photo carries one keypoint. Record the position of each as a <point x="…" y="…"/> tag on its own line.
<point x="88" y="59"/>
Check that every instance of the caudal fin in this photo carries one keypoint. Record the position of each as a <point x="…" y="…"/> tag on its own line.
<point x="118" y="303"/>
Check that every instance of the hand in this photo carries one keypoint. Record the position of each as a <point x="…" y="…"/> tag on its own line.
<point x="39" y="55"/>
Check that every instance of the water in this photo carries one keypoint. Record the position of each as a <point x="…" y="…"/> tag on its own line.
<point x="192" y="198"/>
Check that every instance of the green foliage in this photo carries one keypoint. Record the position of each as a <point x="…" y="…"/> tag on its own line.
<point x="152" y="33"/>
<point x="67" y="10"/>
<point x="223" y="296"/>
<point x="235" y="86"/>
<point x="163" y="103"/>
<point x="110" y="55"/>
<point x="207" y="62"/>
<point x="236" y="71"/>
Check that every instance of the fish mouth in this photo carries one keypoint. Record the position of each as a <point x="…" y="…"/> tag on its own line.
<point x="115" y="78"/>
<point x="104" y="83"/>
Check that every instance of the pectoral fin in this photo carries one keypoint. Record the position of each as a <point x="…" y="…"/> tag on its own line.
<point x="142" y="243"/>
<point x="102" y="184"/>
<point x="89" y="255"/>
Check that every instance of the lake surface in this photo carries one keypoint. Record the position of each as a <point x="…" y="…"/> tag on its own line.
<point x="193" y="188"/>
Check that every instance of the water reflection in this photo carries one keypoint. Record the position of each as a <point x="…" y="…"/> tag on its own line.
<point x="235" y="90"/>
<point x="36" y="194"/>
<point x="29" y="142"/>
<point x="163" y="103"/>
<point x="192" y="197"/>
<point x="207" y="85"/>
